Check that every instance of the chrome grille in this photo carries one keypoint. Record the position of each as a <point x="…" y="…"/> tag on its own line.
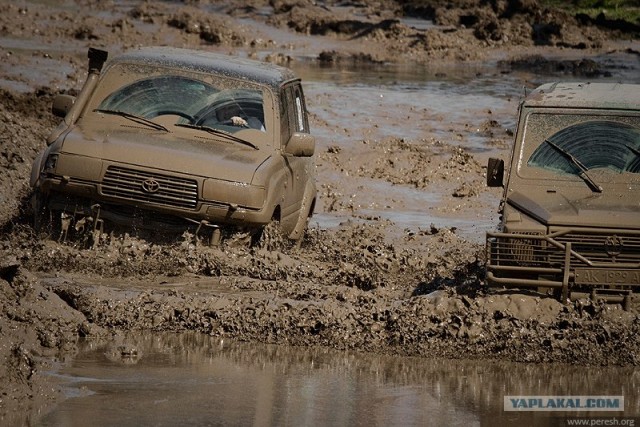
<point x="603" y="247"/>
<point x="535" y="251"/>
<point x="125" y="183"/>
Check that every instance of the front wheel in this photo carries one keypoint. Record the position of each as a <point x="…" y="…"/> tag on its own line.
<point x="306" y="212"/>
<point x="47" y="222"/>
<point x="41" y="215"/>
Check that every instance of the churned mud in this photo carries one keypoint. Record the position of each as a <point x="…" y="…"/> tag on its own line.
<point x="365" y="283"/>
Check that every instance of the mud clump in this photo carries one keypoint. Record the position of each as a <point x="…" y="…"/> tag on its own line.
<point x="37" y="328"/>
<point x="210" y="29"/>
<point x="24" y="123"/>
<point x="366" y="295"/>
<point x="577" y="67"/>
<point x="462" y="27"/>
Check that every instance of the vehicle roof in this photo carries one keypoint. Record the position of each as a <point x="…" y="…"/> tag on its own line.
<point x="209" y="62"/>
<point x="586" y="95"/>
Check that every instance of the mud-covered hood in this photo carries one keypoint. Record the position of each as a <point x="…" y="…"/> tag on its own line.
<point x="610" y="209"/>
<point x="206" y="156"/>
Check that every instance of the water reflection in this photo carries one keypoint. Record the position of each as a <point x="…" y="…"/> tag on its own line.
<point x="193" y="379"/>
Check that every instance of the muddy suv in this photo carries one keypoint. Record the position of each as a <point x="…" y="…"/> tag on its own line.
<point x="168" y="139"/>
<point x="571" y="204"/>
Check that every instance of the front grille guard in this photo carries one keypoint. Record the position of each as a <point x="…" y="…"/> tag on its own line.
<point x="77" y="213"/>
<point x="512" y="259"/>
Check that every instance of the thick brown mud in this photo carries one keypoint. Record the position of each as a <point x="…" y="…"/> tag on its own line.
<point x="366" y="282"/>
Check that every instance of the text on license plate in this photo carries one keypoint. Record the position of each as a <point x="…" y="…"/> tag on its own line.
<point x="594" y="276"/>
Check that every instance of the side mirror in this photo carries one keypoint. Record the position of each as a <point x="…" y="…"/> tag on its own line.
<point x="62" y="104"/>
<point x="301" y="145"/>
<point x="495" y="172"/>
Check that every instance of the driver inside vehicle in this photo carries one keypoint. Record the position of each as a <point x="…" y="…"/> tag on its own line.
<point x="233" y="114"/>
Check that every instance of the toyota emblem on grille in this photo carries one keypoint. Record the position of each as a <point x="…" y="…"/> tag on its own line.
<point x="150" y="185"/>
<point x="613" y="245"/>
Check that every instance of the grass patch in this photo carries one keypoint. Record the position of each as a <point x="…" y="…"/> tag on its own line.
<point x="627" y="10"/>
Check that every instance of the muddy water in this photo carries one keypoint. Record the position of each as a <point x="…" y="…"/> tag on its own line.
<point x="441" y="103"/>
<point x="167" y="380"/>
<point x="366" y="101"/>
<point x="431" y="105"/>
<point x="190" y="379"/>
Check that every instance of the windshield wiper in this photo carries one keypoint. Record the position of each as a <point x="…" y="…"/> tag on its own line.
<point x="584" y="175"/>
<point x="220" y="132"/>
<point x="633" y="150"/>
<point x="133" y="117"/>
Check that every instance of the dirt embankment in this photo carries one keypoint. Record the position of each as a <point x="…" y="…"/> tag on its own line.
<point x="362" y="285"/>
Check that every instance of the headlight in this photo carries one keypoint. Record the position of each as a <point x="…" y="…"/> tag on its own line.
<point x="526" y="250"/>
<point x="236" y="193"/>
<point x="50" y="164"/>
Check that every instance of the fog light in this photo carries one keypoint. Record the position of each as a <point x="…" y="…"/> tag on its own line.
<point x="526" y="251"/>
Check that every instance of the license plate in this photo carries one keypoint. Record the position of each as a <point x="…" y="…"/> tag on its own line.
<point x="594" y="276"/>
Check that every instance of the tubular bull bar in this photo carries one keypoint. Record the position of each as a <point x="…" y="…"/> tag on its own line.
<point x="551" y="261"/>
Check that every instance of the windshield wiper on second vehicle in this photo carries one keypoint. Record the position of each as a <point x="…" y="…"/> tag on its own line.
<point x="633" y="150"/>
<point x="215" y="131"/>
<point x="133" y="117"/>
<point x="584" y="175"/>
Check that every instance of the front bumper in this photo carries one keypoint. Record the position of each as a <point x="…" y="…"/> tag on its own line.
<point x="77" y="197"/>
<point x="569" y="260"/>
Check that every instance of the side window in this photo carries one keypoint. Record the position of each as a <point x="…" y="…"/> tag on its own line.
<point x="286" y="112"/>
<point x="293" y="112"/>
<point x="302" y="123"/>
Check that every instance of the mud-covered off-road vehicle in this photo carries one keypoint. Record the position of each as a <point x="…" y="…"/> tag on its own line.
<point x="570" y="212"/>
<point x="171" y="139"/>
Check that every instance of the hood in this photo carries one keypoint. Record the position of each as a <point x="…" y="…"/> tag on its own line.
<point x="609" y="209"/>
<point x="205" y="155"/>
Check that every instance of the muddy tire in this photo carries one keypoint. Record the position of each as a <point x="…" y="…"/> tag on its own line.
<point x="306" y="211"/>
<point x="271" y="237"/>
<point x="44" y="221"/>
<point x="41" y="215"/>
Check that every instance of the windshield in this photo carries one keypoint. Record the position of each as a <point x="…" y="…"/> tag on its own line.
<point x="201" y="100"/>
<point x="576" y="145"/>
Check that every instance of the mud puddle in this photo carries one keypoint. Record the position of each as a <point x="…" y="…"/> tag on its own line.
<point x="362" y="105"/>
<point x="190" y="379"/>
<point x="362" y="100"/>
